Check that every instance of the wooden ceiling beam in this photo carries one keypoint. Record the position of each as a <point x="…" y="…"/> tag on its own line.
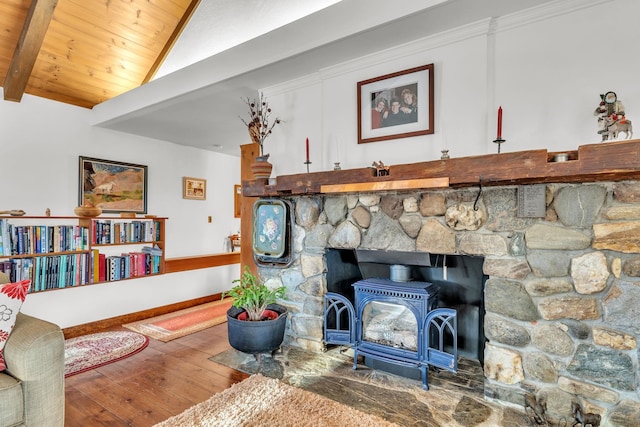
<point x="172" y="40"/>
<point x="26" y="53"/>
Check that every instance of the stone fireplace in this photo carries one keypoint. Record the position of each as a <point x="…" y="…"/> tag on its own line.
<point x="562" y="292"/>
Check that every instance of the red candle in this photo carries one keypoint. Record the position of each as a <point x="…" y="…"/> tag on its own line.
<point x="307" y="149"/>
<point x="500" y="123"/>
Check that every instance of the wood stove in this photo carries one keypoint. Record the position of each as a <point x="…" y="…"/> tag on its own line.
<point x="395" y="322"/>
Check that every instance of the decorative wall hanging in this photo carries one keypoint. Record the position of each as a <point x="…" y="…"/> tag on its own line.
<point x="194" y="188"/>
<point x="396" y="105"/>
<point x="112" y="186"/>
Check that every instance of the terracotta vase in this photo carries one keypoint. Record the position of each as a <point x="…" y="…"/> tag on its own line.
<point x="261" y="168"/>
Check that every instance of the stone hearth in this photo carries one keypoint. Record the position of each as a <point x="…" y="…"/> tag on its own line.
<point x="562" y="299"/>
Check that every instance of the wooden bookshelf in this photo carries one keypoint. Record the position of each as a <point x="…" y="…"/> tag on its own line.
<point x="64" y="251"/>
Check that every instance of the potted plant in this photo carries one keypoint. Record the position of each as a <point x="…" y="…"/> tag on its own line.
<point x="255" y="322"/>
<point x="260" y="127"/>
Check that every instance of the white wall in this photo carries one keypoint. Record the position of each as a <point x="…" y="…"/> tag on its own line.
<point x="41" y="142"/>
<point x="545" y="66"/>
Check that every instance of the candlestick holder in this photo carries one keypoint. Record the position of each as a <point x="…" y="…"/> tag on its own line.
<point x="308" y="162"/>
<point x="499" y="141"/>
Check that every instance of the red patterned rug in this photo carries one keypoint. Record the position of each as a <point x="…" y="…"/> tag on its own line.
<point x="91" y="351"/>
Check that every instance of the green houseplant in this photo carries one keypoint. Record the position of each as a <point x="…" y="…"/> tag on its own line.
<point x="252" y="296"/>
<point x="264" y="327"/>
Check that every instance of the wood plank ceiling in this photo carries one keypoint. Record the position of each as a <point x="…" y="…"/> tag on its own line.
<point x="84" y="52"/>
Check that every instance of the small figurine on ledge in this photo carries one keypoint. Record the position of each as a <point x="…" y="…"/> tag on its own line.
<point x="380" y="168"/>
<point x="611" y="117"/>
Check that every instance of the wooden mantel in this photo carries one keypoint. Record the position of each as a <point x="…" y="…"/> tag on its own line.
<point x="612" y="161"/>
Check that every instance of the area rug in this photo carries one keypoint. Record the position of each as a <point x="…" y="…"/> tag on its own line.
<point x="91" y="351"/>
<point x="184" y="322"/>
<point x="263" y="401"/>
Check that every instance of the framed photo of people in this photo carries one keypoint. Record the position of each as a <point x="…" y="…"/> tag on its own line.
<point x="396" y="105"/>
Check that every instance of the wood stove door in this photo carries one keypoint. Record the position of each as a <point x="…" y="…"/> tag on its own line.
<point x="441" y="338"/>
<point x="339" y="320"/>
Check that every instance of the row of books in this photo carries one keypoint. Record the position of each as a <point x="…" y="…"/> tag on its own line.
<point x="67" y="270"/>
<point x="41" y="239"/>
<point x="115" y="232"/>
<point x="125" y="266"/>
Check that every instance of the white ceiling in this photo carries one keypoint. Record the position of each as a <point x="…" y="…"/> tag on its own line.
<point x="198" y="105"/>
<point x="217" y="25"/>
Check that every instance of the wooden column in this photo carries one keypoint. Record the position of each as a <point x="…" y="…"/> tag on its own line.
<point x="248" y="153"/>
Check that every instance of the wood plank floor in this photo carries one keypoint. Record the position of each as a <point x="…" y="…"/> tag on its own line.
<point x="151" y="386"/>
<point x="166" y="378"/>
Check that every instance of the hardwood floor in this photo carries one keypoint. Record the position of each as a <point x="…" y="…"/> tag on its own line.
<point x="162" y="380"/>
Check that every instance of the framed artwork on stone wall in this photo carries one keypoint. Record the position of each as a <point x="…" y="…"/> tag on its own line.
<point x="396" y="105"/>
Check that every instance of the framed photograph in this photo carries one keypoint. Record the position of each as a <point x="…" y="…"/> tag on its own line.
<point x="194" y="188"/>
<point x="396" y="105"/>
<point x="237" y="200"/>
<point x="112" y="186"/>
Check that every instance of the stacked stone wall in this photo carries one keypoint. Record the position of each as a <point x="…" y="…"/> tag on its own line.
<point x="563" y="295"/>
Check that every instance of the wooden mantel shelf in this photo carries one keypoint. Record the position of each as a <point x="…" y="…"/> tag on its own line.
<point x="612" y="161"/>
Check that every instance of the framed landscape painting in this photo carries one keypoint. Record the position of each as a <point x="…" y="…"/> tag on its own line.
<point x="113" y="186"/>
<point x="396" y="105"/>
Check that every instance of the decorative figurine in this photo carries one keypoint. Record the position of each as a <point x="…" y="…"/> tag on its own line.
<point x="588" y="419"/>
<point x="611" y="117"/>
<point x="380" y="168"/>
<point x="445" y="154"/>
<point x="47" y="212"/>
<point x="536" y="409"/>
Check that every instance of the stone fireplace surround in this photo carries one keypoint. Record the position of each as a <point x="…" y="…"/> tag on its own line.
<point x="562" y="299"/>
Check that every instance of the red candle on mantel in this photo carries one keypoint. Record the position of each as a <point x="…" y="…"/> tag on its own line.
<point x="499" y="123"/>
<point x="307" y="149"/>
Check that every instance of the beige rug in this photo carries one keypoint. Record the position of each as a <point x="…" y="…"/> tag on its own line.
<point x="184" y="322"/>
<point x="262" y="401"/>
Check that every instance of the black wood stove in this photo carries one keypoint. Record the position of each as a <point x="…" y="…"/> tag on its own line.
<point x="396" y="322"/>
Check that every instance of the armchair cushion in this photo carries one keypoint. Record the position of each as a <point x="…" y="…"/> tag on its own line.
<point x="12" y="296"/>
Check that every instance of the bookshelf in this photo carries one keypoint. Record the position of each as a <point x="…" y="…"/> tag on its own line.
<point x="68" y="251"/>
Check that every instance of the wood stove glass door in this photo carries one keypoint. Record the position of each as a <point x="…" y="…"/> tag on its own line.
<point x="390" y="324"/>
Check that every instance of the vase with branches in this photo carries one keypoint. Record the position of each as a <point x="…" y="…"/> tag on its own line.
<point x="260" y="123"/>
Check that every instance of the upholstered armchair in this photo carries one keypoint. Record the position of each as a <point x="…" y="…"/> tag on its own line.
<point x="32" y="386"/>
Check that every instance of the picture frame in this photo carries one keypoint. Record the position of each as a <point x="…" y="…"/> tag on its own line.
<point x="194" y="188"/>
<point x="396" y="105"/>
<point x="237" y="200"/>
<point x="112" y="185"/>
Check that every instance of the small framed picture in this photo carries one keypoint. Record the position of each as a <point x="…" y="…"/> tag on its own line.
<point x="112" y="186"/>
<point x="396" y="105"/>
<point x="194" y="188"/>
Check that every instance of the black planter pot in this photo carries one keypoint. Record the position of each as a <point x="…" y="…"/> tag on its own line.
<point x="256" y="337"/>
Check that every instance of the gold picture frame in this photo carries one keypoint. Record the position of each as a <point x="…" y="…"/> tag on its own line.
<point x="194" y="188"/>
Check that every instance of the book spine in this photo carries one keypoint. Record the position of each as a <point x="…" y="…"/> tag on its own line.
<point x="103" y="268"/>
